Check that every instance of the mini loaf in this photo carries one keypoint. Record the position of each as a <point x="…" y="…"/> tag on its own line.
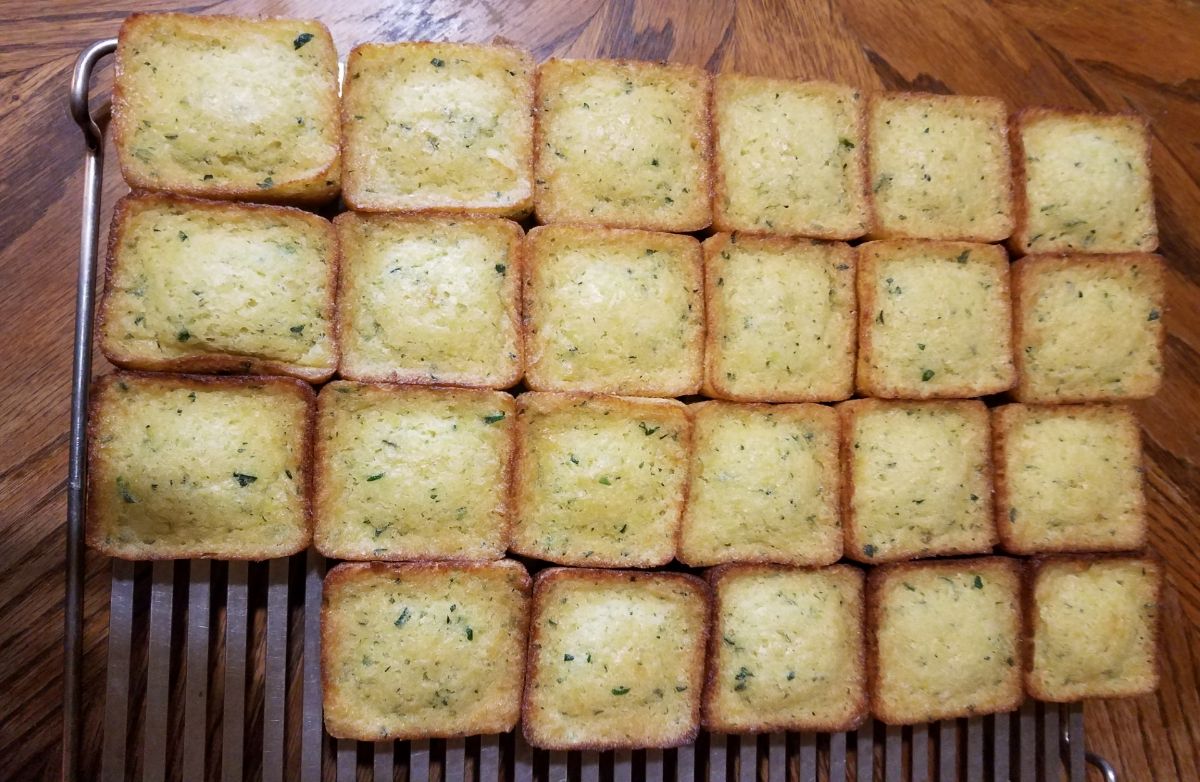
<point x="765" y="486"/>
<point x="423" y="650"/>
<point x="1088" y="328"/>
<point x="616" y="659"/>
<point x="789" y="157"/>
<point x="439" y="126"/>
<point x="613" y="311"/>
<point x="939" y="167"/>
<point x="1083" y="183"/>
<point x="622" y="143"/>
<point x="199" y="467"/>
<point x="917" y="479"/>
<point x="1093" y="628"/>
<point x="228" y="107"/>
<point x="599" y="480"/>
<point x="781" y="318"/>
<point x="945" y="639"/>
<point x="432" y="300"/>
<point x="206" y="286"/>
<point x="1068" y="478"/>
<point x="934" y="320"/>
<point x="787" y="651"/>
<point x="412" y="472"/>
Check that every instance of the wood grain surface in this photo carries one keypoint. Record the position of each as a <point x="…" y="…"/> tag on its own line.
<point x="1105" y="55"/>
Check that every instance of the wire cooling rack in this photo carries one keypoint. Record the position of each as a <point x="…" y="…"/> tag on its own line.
<point x="214" y="667"/>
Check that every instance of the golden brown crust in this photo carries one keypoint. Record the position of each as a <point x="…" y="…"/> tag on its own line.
<point x="721" y="221"/>
<point x="848" y="413"/>
<point x="875" y="230"/>
<point x="340" y="574"/>
<point x="1026" y="268"/>
<point x="714" y="384"/>
<point x="715" y="576"/>
<point x="701" y="135"/>
<point x="212" y="363"/>
<point x="700" y="589"/>
<point x="93" y="529"/>
<point x="347" y="290"/>
<point x="1031" y="572"/>
<point x="353" y="192"/>
<point x="832" y="474"/>
<point x="1001" y="424"/>
<point x="868" y="255"/>
<point x="1018" y="243"/>
<point x="289" y="192"/>
<point x="554" y="401"/>
<point x="322" y="462"/>
<point x="878" y="580"/>
<point x="691" y="265"/>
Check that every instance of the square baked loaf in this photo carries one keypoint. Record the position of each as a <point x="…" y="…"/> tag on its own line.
<point x="1083" y="182"/>
<point x="934" y="320"/>
<point x="945" y="639"/>
<point x="228" y="107"/>
<point x="780" y="319"/>
<point x="613" y="311"/>
<point x="412" y="472"/>
<point x="939" y="167"/>
<point x="206" y="286"/>
<point x="433" y="300"/>
<point x="439" y="126"/>
<point x="599" y="480"/>
<point x="1093" y="628"/>
<point x="917" y="479"/>
<point x="622" y="143"/>
<point x="789" y="157"/>
<point x="787" y="651"/>
<point x="765" y="486"/>
<point x="616" y="659"/>
<point x="1088" y="328"/>
<point x="199" y="467"/>
<point x="1068" y="478"/>
<point x="423" y="650"/>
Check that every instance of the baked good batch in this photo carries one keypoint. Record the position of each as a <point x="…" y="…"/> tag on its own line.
<point x="501" y="392"/>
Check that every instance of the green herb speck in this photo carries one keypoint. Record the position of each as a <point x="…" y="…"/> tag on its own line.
<point x="374" y="477"/>
<point x="437" y="62"/>
<point x="647" y="430"/>
<point x="301" y="39"/>
<point x="403" y="618"/>
<point x="978" y="583"/>
<point x="869" y="550"/>
<point x="604" y="481"/>
<point x="243" y="479"/>
<point x="297" y="329"/>
<point x="493" y="418"/>
<point x="1154" y="315"/>
<point x="927" y="375"/>
<point x="184" y="335"/>
<point x="620" y="690"/>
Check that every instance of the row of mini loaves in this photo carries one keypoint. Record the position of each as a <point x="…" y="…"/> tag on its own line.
<point x="193" y="466"/>
<point x="223" y="107"/>
<point x="202" y="286"/>
<point x="621" y="659"/>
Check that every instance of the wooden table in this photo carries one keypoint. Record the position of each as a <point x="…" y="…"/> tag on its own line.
<point x="1098" y="55"/>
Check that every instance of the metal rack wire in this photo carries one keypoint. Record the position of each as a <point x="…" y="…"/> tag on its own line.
<point x="213" y="668"/>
